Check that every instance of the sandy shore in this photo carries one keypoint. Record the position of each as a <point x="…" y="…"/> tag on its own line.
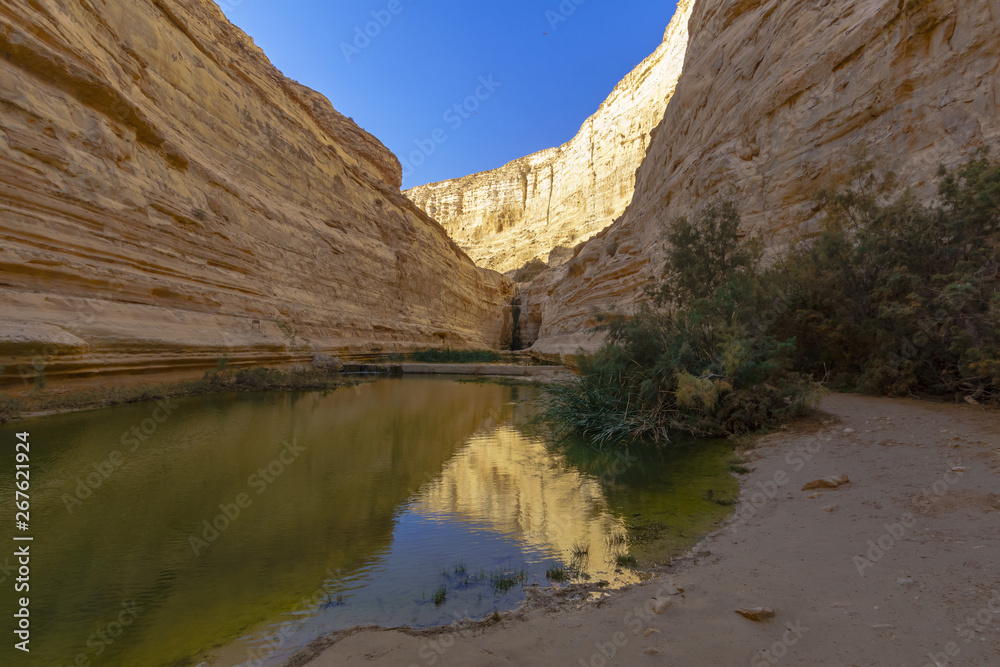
<point x="899" y="567"/>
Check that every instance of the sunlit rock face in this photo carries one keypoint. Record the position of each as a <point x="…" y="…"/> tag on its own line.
<point x="168" y="197"/>
<point x="774" y="101"/>
<point x="542" y="205"/>
<point x="516" y="485"/>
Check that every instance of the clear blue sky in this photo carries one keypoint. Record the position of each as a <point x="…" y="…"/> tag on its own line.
<point x="428" y="55"/>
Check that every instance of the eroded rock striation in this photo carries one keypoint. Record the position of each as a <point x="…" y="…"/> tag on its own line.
<point x="167" y="197"/>
<point x="774" y="101"/>
<point x="542" y="205"/>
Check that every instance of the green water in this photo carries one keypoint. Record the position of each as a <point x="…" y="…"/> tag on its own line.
<point x="354" y="507"/>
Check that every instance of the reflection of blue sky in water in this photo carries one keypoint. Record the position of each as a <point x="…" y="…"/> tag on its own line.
<point x="396" y="481"/>
<point x="502" y="503"/>
<point x="365" y="453"/>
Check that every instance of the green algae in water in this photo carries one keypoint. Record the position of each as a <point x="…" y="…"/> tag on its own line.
<point x="404" y="486"/>
<point x="668" y="498"/>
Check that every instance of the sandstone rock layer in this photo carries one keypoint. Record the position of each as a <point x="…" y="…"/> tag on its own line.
<point x="542" y="205"/>
<point x="167" y="197"/>
<point x="774" y="101"/>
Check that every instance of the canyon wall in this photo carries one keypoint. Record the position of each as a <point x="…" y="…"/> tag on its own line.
<point x="542" y="205"/>
<point x="775" y="100"/>
<point x="167" y="197"/>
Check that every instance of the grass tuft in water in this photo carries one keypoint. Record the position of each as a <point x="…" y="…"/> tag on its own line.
<point x="503" y="580"/>
<point x="617" y="539"/>
<point x="440" y="595"/>
<point x="626" y="560"/>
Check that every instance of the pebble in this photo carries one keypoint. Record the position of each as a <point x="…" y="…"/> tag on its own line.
<point x="756" y="613"/>
<point x="831" y="482"/>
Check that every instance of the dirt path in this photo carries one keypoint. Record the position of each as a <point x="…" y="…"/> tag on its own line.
<point x="899" y="567"/>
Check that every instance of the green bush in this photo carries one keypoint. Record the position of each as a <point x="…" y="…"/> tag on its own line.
<point x="697" y="358"/>
<point x="892" y="297"/>
<point x="900" y="298"/>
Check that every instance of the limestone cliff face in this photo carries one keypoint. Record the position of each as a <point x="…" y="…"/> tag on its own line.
<point x="167" y="197"/>
<point x="774" y="99"/>
<point x="544" y="204"/>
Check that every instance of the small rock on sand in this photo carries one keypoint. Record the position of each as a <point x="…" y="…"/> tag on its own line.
<point x="756" y="613"/>
<point x="827" y="483"/>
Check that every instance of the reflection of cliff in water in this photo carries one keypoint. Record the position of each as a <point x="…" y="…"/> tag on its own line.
<point x="517" y="486"/>
<point x="365" y="451"/>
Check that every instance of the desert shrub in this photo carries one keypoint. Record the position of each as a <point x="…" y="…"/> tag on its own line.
<point x="697" y="358"/>
<point x="257" y="378"/>
<point x="896" y="297"/>
<point x="530" y="269"/>
<point x="892" y="297"/>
